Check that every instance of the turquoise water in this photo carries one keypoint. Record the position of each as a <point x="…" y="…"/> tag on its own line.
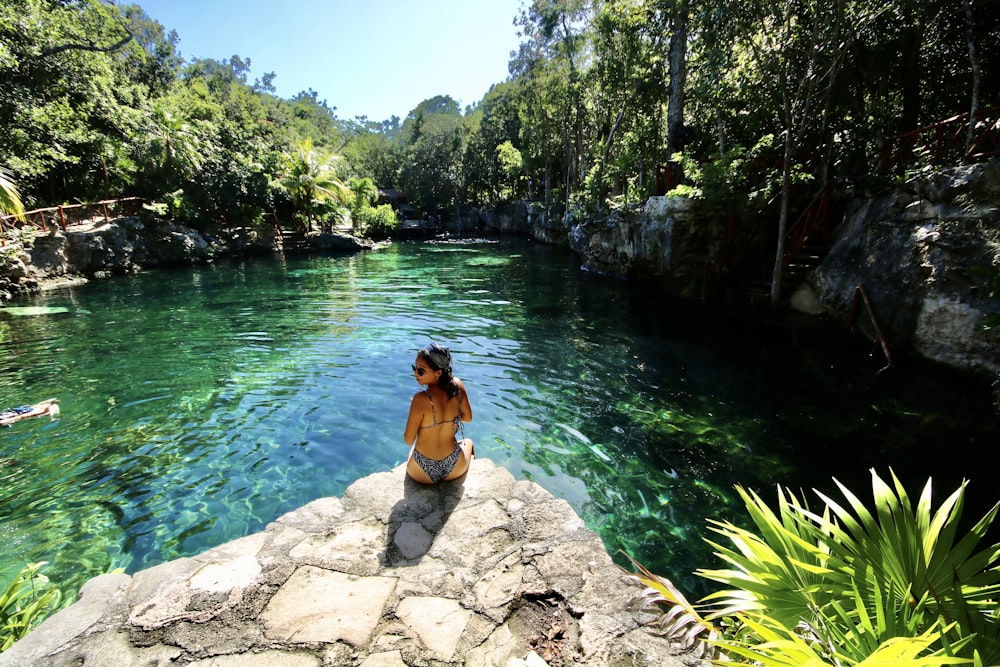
<point x="200" y="404"/>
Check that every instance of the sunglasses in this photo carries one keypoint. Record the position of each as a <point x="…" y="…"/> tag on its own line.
<point x="419" y="370"/>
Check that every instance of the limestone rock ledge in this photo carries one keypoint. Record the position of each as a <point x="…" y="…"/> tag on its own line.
<point x="484" y="571"/>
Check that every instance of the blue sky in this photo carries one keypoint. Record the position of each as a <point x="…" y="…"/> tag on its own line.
<point x="377" y="58"/>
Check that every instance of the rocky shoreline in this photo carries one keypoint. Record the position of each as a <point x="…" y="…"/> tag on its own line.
<point x="926" y="252"/>
<point x="38" y="260"/>
<point x="483" y="571"/>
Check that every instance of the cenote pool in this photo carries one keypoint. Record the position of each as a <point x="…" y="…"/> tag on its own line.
<point x="199" y="404"/>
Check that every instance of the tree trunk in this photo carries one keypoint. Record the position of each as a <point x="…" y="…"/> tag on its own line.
<point x="678" y="75"/>
<point x="720" y="130"/>
<point x="786" y="195"/>
<point x="548" y="183"/>
<point x="909" y="119"/>
<point x="976" y="76"/>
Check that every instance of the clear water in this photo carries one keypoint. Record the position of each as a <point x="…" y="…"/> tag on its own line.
<point x="200" y="404"/>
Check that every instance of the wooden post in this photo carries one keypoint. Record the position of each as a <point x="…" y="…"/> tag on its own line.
<point x="62" y="218"/>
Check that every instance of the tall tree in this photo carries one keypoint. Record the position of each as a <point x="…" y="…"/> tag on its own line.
<point x="174" y="150"/>
<point x="558" y="30"/>
<point x="434" y="136"/>
<point x="678" y="78"/>
<point x="970" y="32"/>
<point x="626" y="93"/>
<point x="494" y="123"/>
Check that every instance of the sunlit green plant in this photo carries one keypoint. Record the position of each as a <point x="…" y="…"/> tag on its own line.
<point x="378" y="222"/>
<point x="26" y="602"/>
<point x="10" y="200"/>
<point x="851" y="586"/>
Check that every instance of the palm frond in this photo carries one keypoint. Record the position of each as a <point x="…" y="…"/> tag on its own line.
<point x="681" y="621"/>
<point x="787" y="569"/>
<point x="10" y="200"/>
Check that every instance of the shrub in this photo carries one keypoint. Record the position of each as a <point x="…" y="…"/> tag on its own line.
<point x="377" y="222"/>
<point x="849" y="586"/>
<point x="25" y="603"/>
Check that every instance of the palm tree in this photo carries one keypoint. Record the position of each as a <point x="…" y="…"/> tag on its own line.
<point x="312" y="182"/>
<point x="174" y="147"/>
<point x="364" y="194"/>
<point x="10" y="200"/>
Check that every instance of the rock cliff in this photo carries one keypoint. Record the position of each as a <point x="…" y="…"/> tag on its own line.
<point x="34" y="258"/>
<point x="927" y="253"/>
<point x="484" y="571"/>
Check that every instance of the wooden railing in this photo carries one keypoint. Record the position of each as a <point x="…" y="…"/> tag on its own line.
<point x="68" y="215"/>
<point x="946" y="140"/>
<point x="878" y="340"/>
<point x="813" y="222"/>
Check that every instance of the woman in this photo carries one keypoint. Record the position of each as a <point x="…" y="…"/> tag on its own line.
<point x="48" y="407"/>
<point x="436" y="416"/>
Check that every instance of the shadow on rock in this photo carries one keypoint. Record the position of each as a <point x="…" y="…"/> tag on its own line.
<point x="417" y="518"/>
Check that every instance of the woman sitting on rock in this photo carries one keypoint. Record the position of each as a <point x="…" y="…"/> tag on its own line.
<point x="436" y="416"/>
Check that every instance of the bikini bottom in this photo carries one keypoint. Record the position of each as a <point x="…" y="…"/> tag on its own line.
<point x="14" y="412"/>
<point x="438" y="470"/>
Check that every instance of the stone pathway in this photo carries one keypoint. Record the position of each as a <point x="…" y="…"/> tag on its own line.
<point x="484" y="571"/>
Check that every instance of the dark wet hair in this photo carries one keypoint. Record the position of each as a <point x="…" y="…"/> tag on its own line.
<point x="438" y="357"/>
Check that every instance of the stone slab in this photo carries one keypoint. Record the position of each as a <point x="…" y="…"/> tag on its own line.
<point x="317" y="605"/>
<point x="438" y="622"/>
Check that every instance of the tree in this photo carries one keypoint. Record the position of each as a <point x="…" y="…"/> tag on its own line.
<point x="626" y="92"/>
<point x="364" y="192"/>
<point x="512" y="165"/>
<point x="311" y="181"/>
<point x="556" y="33"/>
<point x="376" y="155"/>
<point x="976" y="73"/>
<point x="174" y="150"/>
<point x="434" y="136"/>
<point x="678" y="77"/>
<point x="495" y="123"/>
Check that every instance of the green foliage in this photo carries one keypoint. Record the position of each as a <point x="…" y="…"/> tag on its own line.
<point x="95" y="102"/>
<point x="173" y="206"/>
<point x="312" y="183"/>
<point x="511" y="163"/>
<point x="989" y="278"/>
<point x="897" y="585"/>
<point x="26" y="602"/>
<point x="364" y="193"/>
<point x="736" y="180"/>
<point x="10" y="200"/>
<point x="434" y="136"/>
<point x="378" y="222"/>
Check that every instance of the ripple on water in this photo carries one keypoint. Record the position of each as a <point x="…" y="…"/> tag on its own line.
<point x="200" y="404"/>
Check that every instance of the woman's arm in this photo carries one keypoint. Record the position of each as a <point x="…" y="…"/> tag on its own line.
<point x="415" y="418"/>
<point x="465" y="407"/>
